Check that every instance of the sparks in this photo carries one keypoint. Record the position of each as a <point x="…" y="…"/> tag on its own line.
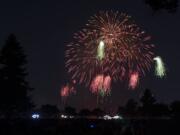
<point x="160" y="70"/>
<point x="107" y="83"/>
<point x="101" y="85"/>
<point x="134" y="78"/>
<point x="67" y="90"/>
<point x="110" y="44"/>
<point x="100" y="50"/>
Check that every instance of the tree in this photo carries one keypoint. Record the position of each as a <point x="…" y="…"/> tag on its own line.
<point x="14" y="99"/>
<point x="85" y="112"/>
<point x="121" y="110"/>
<point x="131" y="107"/>
<point x="175" y="109"/>
<point x="70" y="110"/>
<point x="147" y="101"/>
<point x="98" y="112"/>
<point x="160" y="110"/>
<point x="49" y="111"/>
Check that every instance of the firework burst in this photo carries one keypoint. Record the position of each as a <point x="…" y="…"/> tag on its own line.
<point x="66" y="91"/>
<point x="112" y="45"/>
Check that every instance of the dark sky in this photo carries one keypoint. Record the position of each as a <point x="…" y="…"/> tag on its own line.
<point x="44" y="28"/>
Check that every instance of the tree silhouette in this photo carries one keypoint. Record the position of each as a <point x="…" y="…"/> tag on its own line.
<point x="70" y="110"/>
<point x="160" y="110"/>
<point x="98" y="112"/>
<point x="14" y="99"/>
<point x="121" y="110"/>
<point x="131" y="108"/>
<point x="147" y="101"/>
<point x="49" y="111"/>
<point x="85" y="112"/>
<point x="175" y="109"/>
<point x="169" y="5"/>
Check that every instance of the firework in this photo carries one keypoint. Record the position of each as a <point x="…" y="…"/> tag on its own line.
<point x="110" y="44"/>
<point x="101" y="85"/>
<point x="97" y="84"/>
<point x="107" y="84"/>
<point x="134" y="78"/>
<point x="67" y="90"/>
<point x="100" y="51"/>
<point x="160" y="70"/>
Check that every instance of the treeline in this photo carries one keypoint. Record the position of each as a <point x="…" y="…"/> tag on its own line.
<point x="146" y="107"/>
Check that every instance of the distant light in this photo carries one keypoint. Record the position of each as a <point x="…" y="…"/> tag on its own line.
<point x="63" y="116"/>
<point x="117" y="117"/>
<point x="35" y="116"/>
<point x="107" y="117"/>
<point x="71" y="117"/>
<point x="92" y="126"/>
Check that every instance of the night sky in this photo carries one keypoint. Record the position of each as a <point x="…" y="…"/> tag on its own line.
<point x="45" y="27"/>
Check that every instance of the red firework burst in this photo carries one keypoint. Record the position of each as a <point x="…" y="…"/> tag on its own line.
<point x="134" y="78"/>
<point x="67" y="90"/>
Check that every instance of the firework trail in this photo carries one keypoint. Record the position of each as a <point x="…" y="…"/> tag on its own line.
<point x="110" y="44"/>
<point x="134" y="78"/>
<point x="160" y="70"/>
